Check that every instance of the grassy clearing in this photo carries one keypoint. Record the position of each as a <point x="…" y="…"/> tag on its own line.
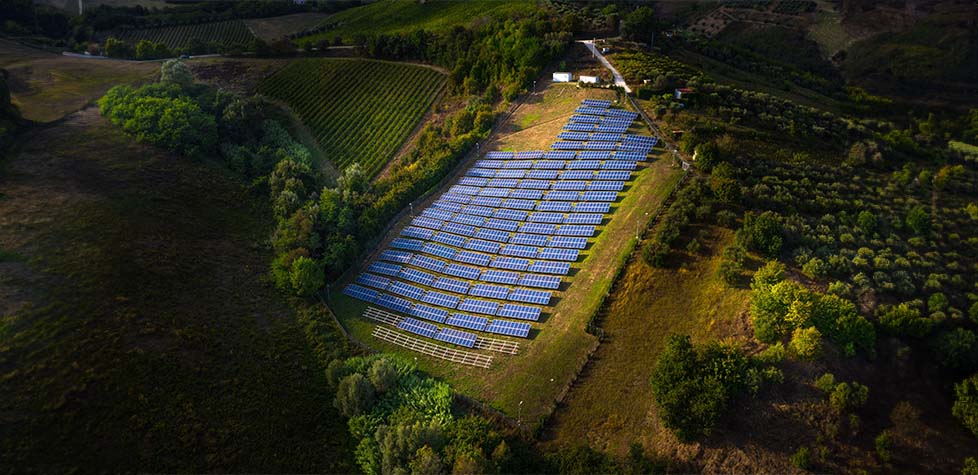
<point x="275" y="28"/>
<point x="137" y="333"/>
<point x="559" y="344"/>
<point x="359" y="110"/>
<point x="398" y="16"/>
<point x="46" y="87"/>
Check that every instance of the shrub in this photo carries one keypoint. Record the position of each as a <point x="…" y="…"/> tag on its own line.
<point x="354" y="396"/>
<point x="773" y="354"/>
<point x="802" y="458"/>
<point x="730" y="271"/>
<point x="957" y="349"/>
<point x="970" y="466"/>
<point x="904" y="321"/>
<point x="884" y="446"/>
<point x="175" y="71"/>
<point x="382" y="375"/>
<point x="806" y="343"/>
<point x="762" y="233"/>
<point x="306" y="276"/>
<point x="966" y="403"/>
<point x="848" y="396"/>
<point x="937" y="302"/>
<point x="918" y="219"/>
<point x="655" y="253"/>
<point x="726" y="218"/>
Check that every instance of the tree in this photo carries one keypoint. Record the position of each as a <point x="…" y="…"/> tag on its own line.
<point x="639" y="24"/>
<point x="957" y="349"/>
<point x="174" y="71"/>
<point x="866" y="221"/>
<point x="116" y="48"/>
<point x="904" y="320"/>
<point x="383" y="375"/>
<point x="966" y="403"/>
<point x="918" y="219"/>
<point x="426" y="462"/>
<point x="806" y="343"/>
<point x="761" y="233"/>
<point x="354" y="396"/>
<point x="306" y="277"/>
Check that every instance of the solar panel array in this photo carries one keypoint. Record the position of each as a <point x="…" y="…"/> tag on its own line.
<point x="488" y="254"/>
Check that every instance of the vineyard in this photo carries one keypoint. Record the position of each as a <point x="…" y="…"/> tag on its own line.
<point x="225" y="33"/>
<point x="359" y="110"/>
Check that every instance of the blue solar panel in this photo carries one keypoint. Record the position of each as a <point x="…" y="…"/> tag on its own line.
<point x="521" y="312"/>
<point x="611" y="128"/>
<point x="415" y="232"/>
<point x="473" y="181"/>
<point x="408" y="244"/>
<point x="591" y="207"/>
<point x="467" y="321"/>
<point x="517" y="250"/>
<point x="530" y="155"/>
<point x="474" y="258"/>
<point x="418" y="327"/>
<point x="577" y="175"/>
<point x="584" y="218"/>
<point x="527" y="194"/>
<point x="518" y="164"/>
<point x="548" y="267"/>
<point x="605" y="137"/>
<point x="613" y="175"/>
<point x="538" y="297"/>
<point x="489" y="291"/>
<point x="492" y="235"/>
<point x="502" y="224"/>
<point x="452" y="285"/>
<point x="543" y="174"/>
<point x="489" y="163"/>
<point x="568" y="242"/>
<point x="556" y="254"/>
<point x="468" y="219"/>
<point x="405" y="290"/>
<point x="573" y="135"/>
<point x="437" y="214"/>
<point x="538" y="228"/>
<point x="456" y="198"/>
<point x="464" y="190"/>
<point x="428" y="263"/>
<point x="599" y="103"/>
<point x="450" y="239"/>
<point x="558" y="206"/>
<point x="484" y="307"/>
<point x="394" y="303"/>
<point x="438" y="250"/>
<point x="483" y="246"/>
<point x="426" y="222"/>
<point x="509" y="214"/>
<point x="600" y="146"/>
<point x="594" y="155"/>
<point x="504" y="182"/>
<point x="384" y="268"/>
<point x="569" y="185"/>
<point x="444" y="206"/>
<point x="567" y="145"/>
<point x="642" y="150"/>
<point x="416" y="276"/>
<point x="585" y="119"/>
<point x="510" y="263"/>
<point x="562" y="195"/>
<point x="534" y="184"/>
<point x="541" y="281"/>
<point x="580" y="127"/>
<point x="440" y="299"/>
<point x="362" y="293"/>
<point x="495" y="192"/>
<point x="505" y="327"/>
<point x="575" y="230"/>
<point x="618" y="165"/>
<point x="584" y="165"/>
<point x="633" y="156"/>
<point x="456" y="337"/>
<point x="374" y="281"/>
<point x="400" y="257"/>
<point x="487" y="201"/>
<point x="499" y="276"/>
<point x="549" y="164"/>
<point x="476" y="211"/>
<point x="481" y="172"/>
<point x="499" y="154"/>
<point x="599" y="196"/>
<point x="429" y="313"/>
<point x="606" y="186"/>
<point x="510" y="174"/>
<point x="543" y="217"/>
<point x="518" y="204"/>
<point x="559" y="155"/>
<point x="457" y="228"/>
<point x="529" y="239"/>
<point x="464" y="272"/>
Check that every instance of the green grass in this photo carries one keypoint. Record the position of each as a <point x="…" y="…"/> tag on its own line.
<point x="359" y="110"/>
<point x="225" y="33"/>
<point x="136" y="333"/>
<point x="399" y="16"/>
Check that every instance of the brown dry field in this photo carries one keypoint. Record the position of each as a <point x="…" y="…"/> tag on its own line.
<point x="274" y="28"/>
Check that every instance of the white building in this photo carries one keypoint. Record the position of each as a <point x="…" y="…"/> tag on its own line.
<point x="563" y="77"/>
<point x="590" y="79"/>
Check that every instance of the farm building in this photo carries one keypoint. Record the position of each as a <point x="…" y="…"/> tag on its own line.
<point x="590" y="79"/>
<point x="563" y="77"/>
<point x="682" y="91"/>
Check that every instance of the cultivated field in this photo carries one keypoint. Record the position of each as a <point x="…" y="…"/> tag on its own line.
<point x="274" y="28"/>
<point x="225" y="33"/>
<point x="359" y="110"/>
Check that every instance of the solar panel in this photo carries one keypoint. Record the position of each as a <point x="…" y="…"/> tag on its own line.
<point x="495" y="192"/>
<point x="579" y="127"/>
<point x="458" y="228"/>
<point x="584" y="218"/>
<point x="599" y="196"/>
<point x="618" y="165"/>
<point x="642" y="150"/>
<point x="527" y="194"/>
<point x="510" y="263"/>
<point x="549" y="164"/>
<point x="391" y="255"/>
<point x="499" y="276"/>
<point x="567" y="145"/>
<point x="562" y="195"/>
<point x="611" y="128"/>
<point x="633" y="156"/>
<point x="529" y="239"/>
<point x="492" y="235"/>
<point x="486" y="201"/>
<point x="568" y="242"/>
<point x="418" y="327"/>
<point x="575" y="230"/>
<point x="577" y="175"/>
<point x="509" y="214"/>
<point x="484" y="307"/>
<point x="426" y="262"/>
<point x="499" y="154"/>
<point x="502" y="224"/>
<point x="521" y="312"/>
<point x="408" y="244"/>
<point x="594" y="155"/>
<point x="559" y="155"/>
<point x="464" y="272"/>
<point x="569" y="185"/>
<point x="503" y="182"/>
<point x="517" y="250"/>
<point x="534" y="184"/>
<point x="543" y="217"/>
<point x="590" y="207"/>
<point x="473" y="181"/>
<point x="416" y="232"/>
<point x="606" y="186"/>
<point x="452" y="285"/>
<point x="450" y="239"/>
<point x="384" y="268"/>
<point x="483" y="246"/>
<point x="476" y="211"/>
<point x="518" y="204"/>
<point x="558" y="206"/>
<point x="548" y="267"/>
<point x="505" y="173"/>
<point x="467" y="321"/>
<point x="530" y="155"/>
<point x="374" y="281"/>
<point x="600" y="146"/>
<point x="468" y="219"/>
<point x="585" y="119"/>
<point x="426" y="222"/>
<point x="361" y="293"/>
<point x="505" y="327"/>
<point x="556" y="254"/>
<point x="394" y="303"/>
<point x="584" y="165"/>
<point x="444" y="206"/>
<point x="538" y="228"/>
<point x="416" y="276"/>
<point x="541" y="281"/>
<point x="405" y="290"/>
<point x="438" y="250"/>
<point x="489" y="291"/>
<point x="456" y="337"/>
<point x="456" y="198"/>
<point x="518" y="164"/>
<point x="538" y="297"/>
<point x="474" y="258"/>
<point x="606" y="137"/>
<point x="596" y="103"/>
<point x="489" y="163"/>
<point x="429" y="313"/>
<point x="440" y="299"/>
<point x="543" y="174"/>
<point x="573" y="135"/>
<point x="481" y="172"/>
<point x="437" y="213"/>
<point x="464" y="190"/>
<point x="613" y="175"/>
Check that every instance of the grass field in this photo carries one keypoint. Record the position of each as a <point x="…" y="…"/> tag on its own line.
<point x="137" y="334"/>
<point x="359" y="110"/>
<point x="46" y="86"/>
<point x="274" y="28"/>
<point x="397" y="16"/>
<point x="225" y="33"/>
<point x="559" y="345"/>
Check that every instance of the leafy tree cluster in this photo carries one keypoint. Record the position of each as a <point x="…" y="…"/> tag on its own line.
<point x="10" y="119"/>
<point x="780" y="307"/>
<point x="674" y="220"/>
<point x="966" y="403"/>
<point x="694" y="386"/>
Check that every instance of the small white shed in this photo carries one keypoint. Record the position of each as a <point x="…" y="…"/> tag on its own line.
<point x="590" y="79"/>
<point x="563" y="77"/>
